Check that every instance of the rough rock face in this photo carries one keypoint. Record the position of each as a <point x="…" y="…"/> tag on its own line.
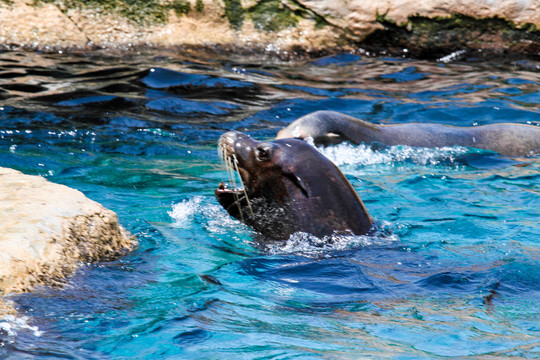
<point x="47" y="230"/>
<point x="281" y="26"/>
<point x="361" y="17"/>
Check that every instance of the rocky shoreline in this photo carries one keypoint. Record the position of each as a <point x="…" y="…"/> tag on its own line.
<point x="288" y="28"/>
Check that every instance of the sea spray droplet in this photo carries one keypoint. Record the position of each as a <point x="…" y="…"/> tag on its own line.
<point x="183" y="212"/>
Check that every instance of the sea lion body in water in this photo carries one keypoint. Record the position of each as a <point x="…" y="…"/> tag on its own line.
<point x="329" y="127"/>
<point x="289" y="187"/>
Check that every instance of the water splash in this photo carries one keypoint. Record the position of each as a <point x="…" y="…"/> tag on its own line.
<point x="198" y="209"/>
<point x="305" y="244"/>
<point x="346" y="154"/>
<point x="183" y="212"/>
<point x="12" y="324"/>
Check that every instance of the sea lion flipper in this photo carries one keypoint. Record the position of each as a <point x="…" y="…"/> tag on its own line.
<point x="298" y="182"/>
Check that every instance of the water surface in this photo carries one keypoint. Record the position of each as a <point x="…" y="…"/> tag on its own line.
<point x="452" y="273"/>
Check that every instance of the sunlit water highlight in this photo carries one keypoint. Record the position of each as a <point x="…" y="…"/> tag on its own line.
<point x="451" y="272"/>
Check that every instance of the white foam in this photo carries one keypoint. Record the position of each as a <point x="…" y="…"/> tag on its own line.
<point x="215" y="220"/>
<point x="346" y="153"/>
<point x="309" y="245"/>
<point x="213" y="217"/>
<point x="11" y="324"/>
<point x="183" y="212"/>
<point x="456" y="55"/>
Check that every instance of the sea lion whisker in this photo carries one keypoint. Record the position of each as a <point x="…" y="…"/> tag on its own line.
<point x="243" y="185"/>
<point x="221" y="153"/>
<point x="233" y="180"/>
<point x="238" y="200"/>
<point x="229" y="168"/>
<point x="232" y="175"/>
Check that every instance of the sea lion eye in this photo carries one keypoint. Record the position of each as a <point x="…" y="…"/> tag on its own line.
<point x="263" y="152"/>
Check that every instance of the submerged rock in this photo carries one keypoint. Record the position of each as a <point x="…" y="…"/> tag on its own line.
<point x="284" y="27"/>
<point x="47" y="230"/>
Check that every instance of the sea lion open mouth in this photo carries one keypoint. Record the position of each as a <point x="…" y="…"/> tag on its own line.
<point x="286" y="186"/>
<point x="236" y="198"/>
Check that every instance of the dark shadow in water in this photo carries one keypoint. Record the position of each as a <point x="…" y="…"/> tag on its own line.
<point x="374" y="274"/>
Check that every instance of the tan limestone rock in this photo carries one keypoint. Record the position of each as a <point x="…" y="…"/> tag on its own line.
<point x="23" y="24"/>
<point x="47" y="230"/>
<point x="311" y="26"/>
<point x="360" y="17"/>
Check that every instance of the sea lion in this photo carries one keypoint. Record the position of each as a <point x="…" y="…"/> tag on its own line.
<point x="330" y="127"/>
<point x="288" y="187"/>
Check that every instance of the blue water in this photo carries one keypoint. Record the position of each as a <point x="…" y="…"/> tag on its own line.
<point x="452" y="273"/>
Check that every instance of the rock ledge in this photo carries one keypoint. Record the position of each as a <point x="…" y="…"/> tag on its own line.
<point x="47" y="230"/>
<point x="288" y="28"/>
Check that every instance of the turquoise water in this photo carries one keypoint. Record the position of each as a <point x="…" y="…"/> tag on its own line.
<point x="453" y="273"/>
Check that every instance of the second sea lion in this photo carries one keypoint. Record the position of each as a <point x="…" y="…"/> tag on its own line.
<point x="330" y="127"/>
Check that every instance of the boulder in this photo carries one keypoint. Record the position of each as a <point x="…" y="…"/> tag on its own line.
<point x="48" y="230"/>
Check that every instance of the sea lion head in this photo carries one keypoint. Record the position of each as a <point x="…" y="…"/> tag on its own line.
<point x="288" y="186"/>
<point x="329" y="128"/>
<point x="312" y="126"/>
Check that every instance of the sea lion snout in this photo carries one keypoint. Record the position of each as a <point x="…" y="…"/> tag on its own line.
<point x="231" y="136"/>
<point x="236" y="147"/>
<point x="226" y="142"/>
